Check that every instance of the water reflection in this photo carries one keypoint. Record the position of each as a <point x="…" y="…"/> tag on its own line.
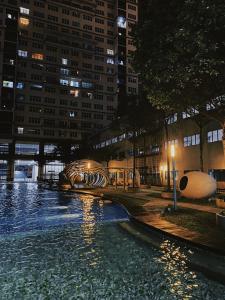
<point x="91" y="210"/>
<point x="25" y="207"/>
<point x="180" y="280"/>
<point x="89" y="222"/>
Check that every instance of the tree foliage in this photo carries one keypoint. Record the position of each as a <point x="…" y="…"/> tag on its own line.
<point x="141" y="116"/>
<point x="181" y="53"/>
<point x="105" y="154"/>
<point x="66" y="151"/>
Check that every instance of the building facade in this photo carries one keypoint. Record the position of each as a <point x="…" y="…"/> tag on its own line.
<point x="151" y="150"/>
<point x="64" y="67"/>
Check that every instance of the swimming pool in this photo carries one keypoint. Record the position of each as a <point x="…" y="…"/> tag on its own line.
<point x="63" y="246"/>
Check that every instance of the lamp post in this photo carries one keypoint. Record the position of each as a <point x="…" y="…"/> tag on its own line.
<point x="88" y="167"/>
<point x="174" y="177"/>
<point x="162" y="174"/>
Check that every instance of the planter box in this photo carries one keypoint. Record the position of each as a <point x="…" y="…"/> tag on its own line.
<point x="220" y="203"/>
<point x="220" y="220"/>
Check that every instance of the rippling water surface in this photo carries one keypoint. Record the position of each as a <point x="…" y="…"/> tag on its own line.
<point x="64" y="246"/>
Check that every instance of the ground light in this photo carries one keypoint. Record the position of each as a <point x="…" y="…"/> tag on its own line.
<point x="173" y="154"/>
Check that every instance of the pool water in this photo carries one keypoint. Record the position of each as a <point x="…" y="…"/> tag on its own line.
<point x="64" y="246"/>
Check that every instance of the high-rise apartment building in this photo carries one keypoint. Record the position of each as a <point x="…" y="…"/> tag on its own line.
<point x="64" y="67"/>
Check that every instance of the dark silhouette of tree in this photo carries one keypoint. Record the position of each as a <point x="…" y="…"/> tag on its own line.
<point x="105" y="154"/>
<point x="180" y="56"/>
<point x="141" y="118"/>
<point x="66" y="151"/>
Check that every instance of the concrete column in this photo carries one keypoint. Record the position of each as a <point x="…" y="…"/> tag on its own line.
<point x="11" y="162"/>
<point x="40" y="171"/>
<point x="10" y="170"/>
<point x="41" y="162"/>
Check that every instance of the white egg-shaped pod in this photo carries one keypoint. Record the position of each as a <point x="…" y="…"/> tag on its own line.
<point x="197" y="185"/>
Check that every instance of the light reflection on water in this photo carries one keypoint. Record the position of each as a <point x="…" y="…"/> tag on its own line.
<point x="89" y="228"/>
<point x="25" y="207"/>
<point x="87" y="255"/>
<point x="180" y="279"/>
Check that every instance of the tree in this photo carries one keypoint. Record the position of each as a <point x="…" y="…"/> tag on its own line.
<point x="181" y="56"/>
<point x="66" y="151"/>
<point x="141" y="118"/>
<point x="201" y="121"/>
<point x="104" y="154"/>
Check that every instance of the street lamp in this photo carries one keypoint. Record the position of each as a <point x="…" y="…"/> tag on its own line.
<point x="173" y="153"/>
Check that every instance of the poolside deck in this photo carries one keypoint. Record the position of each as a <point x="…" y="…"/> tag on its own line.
<point x="146" y="207"/>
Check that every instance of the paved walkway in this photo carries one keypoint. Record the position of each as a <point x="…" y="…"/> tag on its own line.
<point x="147" y="209"/>
<point x="153" y="202"/>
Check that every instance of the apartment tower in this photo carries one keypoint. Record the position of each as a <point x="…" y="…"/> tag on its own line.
<point x="64" y="67"/>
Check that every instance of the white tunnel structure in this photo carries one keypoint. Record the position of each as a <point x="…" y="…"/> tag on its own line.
<point x="88" y="172"/>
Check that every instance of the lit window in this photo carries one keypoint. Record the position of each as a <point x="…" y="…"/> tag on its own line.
<point x="108" y="142"/>
<point x="64" y="71"/>
<point x="22" y="53"/>
<point x="64" y="61"/>
<point x="20" y="130"/>
<point x="190" y="113"/>
<point x="24" y="21"/>
<point x="192" y="140"/>
<point x="154" y="149"/>
<point x="49" y="149"/>
<point x="64" y="82"/>
<point x="114" y="140"/>
<point x="121" y="22"/>
<point x="8" y="84"/>
<point x="27" y="149"/>
<point x="24" y="10"/>
<point x="20" y="85"/>
<point x="122" y="137"/>
<point x="110" y="61"/>
<point x="185" y="115"/>
<point x="110" y="52"/>
<point x="215" y="136"/>
<point x="74" y="83"/>
<point x="210" y="106"/>
<point x="87" y="85"/>
<point x="36" y="86"/>
<point x="72" y="114"/>
<point x="38" y="56"/>
<point x="172" y="119"/>
<point x="74" y="93"/>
